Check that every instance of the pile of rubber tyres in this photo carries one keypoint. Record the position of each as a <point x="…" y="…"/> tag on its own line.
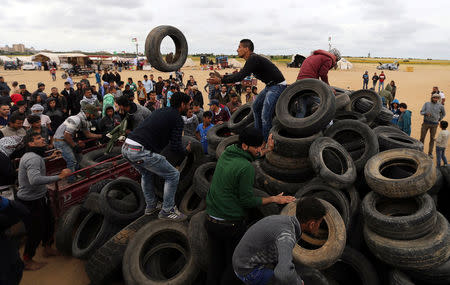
<point x="382" y="194"/>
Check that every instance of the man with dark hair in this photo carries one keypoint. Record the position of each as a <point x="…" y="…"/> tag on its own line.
<point x="85" y="80"/>
<point x="263" y="69"/>
<point x="142" y="149"/>
<point x="15" y="127"/>
<point x="148" y="85"/>
<point x="26" y="95"/>
<point x="4" y="85"/>
<point x="234" y="104"/>
<point x="159" y="87"/>
<point x="132" y="85"/>
<point x="197" y="96"/>
<point x="202" y="130"/>
<point x="40" y="92"/>
<point x="433" y="112"/>
<point x="20" y="107"/>
<point x="230" y="195"/>
<point x="33" y="194"/>
<point x="4" y="115"/>
<point x="270" y="242"/>
<point x="136" y="113"/>
<point x="71" y="99"/>
<point x="36" y="127"/>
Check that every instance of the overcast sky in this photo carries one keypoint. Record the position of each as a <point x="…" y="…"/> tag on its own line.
<point x="384" y="28"/>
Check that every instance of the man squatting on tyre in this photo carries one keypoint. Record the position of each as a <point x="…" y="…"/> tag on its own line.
<point x="143" y="145"/>
<point x="230" y="194"/>
<point x="64" y="136"/>
<point x="33" y="194"/>
<point x="265" y="251"/>
<point x="264" y="70"/>
<point x="315" y="66"/>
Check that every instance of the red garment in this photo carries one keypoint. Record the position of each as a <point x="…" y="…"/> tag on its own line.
<point x="382" y="77"/>
<point x="222" y="116"/>
<point x="16" y="98"/>
<point x="317" y="65"/>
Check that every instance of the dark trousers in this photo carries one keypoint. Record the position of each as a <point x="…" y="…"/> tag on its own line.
<point x="224" y="239"/>
<point x="39" y="225"/>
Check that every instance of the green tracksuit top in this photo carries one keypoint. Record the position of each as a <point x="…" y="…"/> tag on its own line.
<point x="231" y="190"/>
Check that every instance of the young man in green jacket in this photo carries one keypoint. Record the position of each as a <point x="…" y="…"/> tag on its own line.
<point x="230" y="194"/>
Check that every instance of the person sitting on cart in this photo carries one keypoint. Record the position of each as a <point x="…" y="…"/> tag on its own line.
<point x="142" y="149"/>
<point x="32" y="194"/>
<point x="64" y="136"/>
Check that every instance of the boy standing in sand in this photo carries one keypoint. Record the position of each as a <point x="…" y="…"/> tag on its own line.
<point x="441" y="143"/>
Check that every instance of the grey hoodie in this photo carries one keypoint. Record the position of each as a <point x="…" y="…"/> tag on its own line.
<point x="269" y="241"/>
<point x="436" y="111"/>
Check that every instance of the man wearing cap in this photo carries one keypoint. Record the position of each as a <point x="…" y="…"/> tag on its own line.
<point x="230" y="195"/>
<point x="264" y="70"/>
<point x="64" y="135"/>
<point x="433" y="112"/>
<point x="40" y="92"/>
<point x="220" y="115"/>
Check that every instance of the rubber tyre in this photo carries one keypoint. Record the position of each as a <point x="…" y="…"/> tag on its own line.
<point x="92" y="233"/>
<point x="316" y="121"/>
<point x="385" y="116"/>
<point x="346" y="132"/>
<point x="217" y="134"/>
<point x="286" y="162"/>
<point x="120" y="215"/>
<point x="438" y="184"/>
<point x="92" y="203"/>
<point x="199" y="240"/>
<point x="422" y="179"/>
<point x="191" y="203"/>
<point x="339" y="178"/>
<point x="401" y="219"/>
<point x="98" y="155"/>
<point x="423" y="253"/>
<point x="270" y="184"/>
<point x="153" y="45"/>
<point x="396" y="277"/>
<point x="392" y="137"/>
<point x="311" y="276"/>
<point x="342" y="100"/>
<point x="98" y="186"/>
<point x="289" y="145"/>
<point x="241" y="118"/>
<point x="349" y="115"/>
<point x="333" y="248"/>
<point x="104" y="266"/>
<point x="225" y="143"/>
<point x="202" y="178"/>
<point x="439" y="275"/>
<point x="67" y="225"/>
<point x="297" y="175"/>
<point x="154" y="234"/>
<point x="333" y="196"/>
<point x="365" y="271"/>
<point x="370" y="95"/>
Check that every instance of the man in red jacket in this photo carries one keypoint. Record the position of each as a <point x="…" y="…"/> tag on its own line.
<point x="315" y="66"/>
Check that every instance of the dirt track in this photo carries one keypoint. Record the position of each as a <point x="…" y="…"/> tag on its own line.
<point x="413" y="88"/>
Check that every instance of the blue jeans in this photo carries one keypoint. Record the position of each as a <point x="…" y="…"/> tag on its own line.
<point x="149" y="164"/>
<point x="67" y="154"/>
<point x="380" y="86"/>
<point x="365" y="84"/>
<point x="440" y="153"/>
<point x="264" y="106"/>
<point x="304" y="103"/>
<point x="259" y="276"/>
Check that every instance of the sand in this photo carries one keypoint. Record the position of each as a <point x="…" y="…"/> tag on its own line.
<point x="413" y="88"/>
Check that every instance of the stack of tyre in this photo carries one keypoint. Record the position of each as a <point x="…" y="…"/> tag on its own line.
<point x="109" y="206"/>
<point x="402" y="226"/>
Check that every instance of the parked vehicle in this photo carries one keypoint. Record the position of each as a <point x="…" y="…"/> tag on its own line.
<point x="29" y="66"/>
<point x="389" y="66"/>
<point x="11" y="65"/>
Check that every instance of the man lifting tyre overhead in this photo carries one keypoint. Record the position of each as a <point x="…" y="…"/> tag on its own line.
<point x="264" y="70"/>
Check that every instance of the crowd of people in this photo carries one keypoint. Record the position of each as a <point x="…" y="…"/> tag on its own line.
<point x="157" y="113"/>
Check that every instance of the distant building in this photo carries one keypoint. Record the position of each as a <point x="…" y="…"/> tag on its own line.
<point x="18" y="47"/>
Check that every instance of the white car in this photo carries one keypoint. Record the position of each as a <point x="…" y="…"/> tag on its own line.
<point x="29" y="66"/>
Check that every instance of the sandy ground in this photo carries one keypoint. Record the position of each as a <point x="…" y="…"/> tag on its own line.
<point x="413" y="88"/>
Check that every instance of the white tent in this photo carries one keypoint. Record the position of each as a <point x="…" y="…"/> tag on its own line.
<point x="189" y="63"/>
<point x="46" y="56"/>
<point x="344" y="64"/>
<point x="234" y="63"/>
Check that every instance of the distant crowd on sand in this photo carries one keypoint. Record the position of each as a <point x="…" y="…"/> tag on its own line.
<point x="433" y="112"/>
